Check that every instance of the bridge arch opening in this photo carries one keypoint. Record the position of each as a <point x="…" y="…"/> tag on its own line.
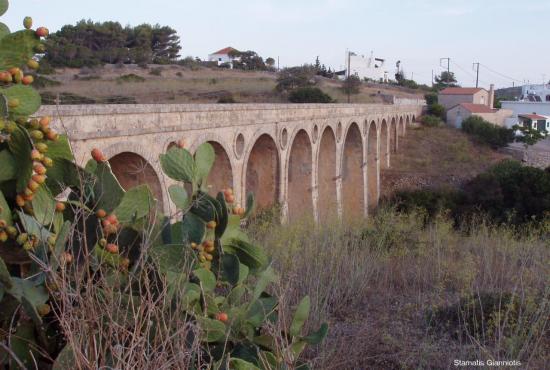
<point x="384" y="145"/>
<point x="352" y="174"/>
<point x="393" y="135"/>
<point x="372" y="168"/>
<point x="327" y="176"/>
<point x="401" y="126"/>
<point x="262" y="172"/>
<point x="221" y="175"/>
<point x="132" y="170"/>
<point x="300" y="200"/>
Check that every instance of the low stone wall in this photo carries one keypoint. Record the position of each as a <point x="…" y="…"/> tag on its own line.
<point x="537" y="158"/>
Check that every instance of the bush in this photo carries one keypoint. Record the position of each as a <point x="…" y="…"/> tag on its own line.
<point x="130" y="78"/>
<point x="487" y="133"/>
<point x="227" y="99"/>
<point x="510" y="192"/>
<point x="431" y="98"/>
<point x="432" y="202"/>
<point x="437" y="110"/>
<point x="157" y="71"/>
<point x="309" y="95"/>
<point x="295" y="77"/>
<point x="351" y="85"/>
<point x="431" y="121"/>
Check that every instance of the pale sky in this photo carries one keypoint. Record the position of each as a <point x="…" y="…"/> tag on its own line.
<point x="508" y="37"/>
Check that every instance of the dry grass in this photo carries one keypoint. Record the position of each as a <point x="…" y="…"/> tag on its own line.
<point x="377" y="282"/>
<point x="434" y="157"/>
<point x="178" y="84"/>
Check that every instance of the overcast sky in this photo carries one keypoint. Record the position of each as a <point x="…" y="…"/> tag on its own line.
<point x="508" y="37"/>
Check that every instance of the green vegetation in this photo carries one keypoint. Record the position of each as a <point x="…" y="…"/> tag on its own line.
<point x="507" y="193"/>
<point x="90" y="44"/>
<point x="488" y="133"/>
<point x="86" y="265"/>
<point x="130" y="78"/>
<point x="437" y="110"/>
<point x="309" y="95"/>
<point x="431" y="121"/>
<point x="351" y="85"/>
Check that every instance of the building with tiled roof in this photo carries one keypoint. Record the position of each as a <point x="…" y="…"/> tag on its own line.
<point x="452" y="96"/>
<point x="224" y="56"/>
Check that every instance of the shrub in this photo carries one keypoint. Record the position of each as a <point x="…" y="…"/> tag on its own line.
<point x="351" y="85"/>
<point x="431" y="121"/>
<point x="437" y="110"/>
<point x="309" y="95"/>
<point x="432" y="202"/>
<point x="157" y="71"/>
<point x="431" y="98"/>
<point x="510" y="192"/>
<point x="295" y="77"/>
<point x="487" y="133"/>
<point x="130" y="78"/>
<point x="227" y="99"/>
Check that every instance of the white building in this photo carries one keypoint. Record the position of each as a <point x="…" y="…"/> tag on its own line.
<point x="223" y="56"/>
<point x="366" y="67"/>
<point x="534" y="100"/>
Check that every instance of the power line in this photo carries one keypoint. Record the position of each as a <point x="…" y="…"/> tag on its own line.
<point x="501" y="74"/>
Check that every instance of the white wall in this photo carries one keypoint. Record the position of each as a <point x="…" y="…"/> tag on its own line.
<point x="216" y="58"/>
<point x="521" y="107"/>
<point x="364" y="67"/>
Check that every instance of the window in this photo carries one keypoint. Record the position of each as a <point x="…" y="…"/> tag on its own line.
<point x="547" y="97"/>
<point x="219" y="59"/>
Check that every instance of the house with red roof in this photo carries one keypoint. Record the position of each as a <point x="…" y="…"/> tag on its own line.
<point x="535" y="121"/>
<point x="224" y="56"/>
<point x="452" y="96"/>
<point x="460" y="112"/>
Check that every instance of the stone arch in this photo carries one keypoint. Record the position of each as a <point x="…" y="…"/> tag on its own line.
<point x="221" y="175"/>
<point x="373" y="171"/>
<point x="393" y="135"/>
<point x="352" y="173"/>
<point x="300" y="177"/>
<point x="384" y="144"/>
<point x="327" y="173"/>
<point x="132" y="169"/>
<point x="262" y="170"/>
<point x="148" y="159"/>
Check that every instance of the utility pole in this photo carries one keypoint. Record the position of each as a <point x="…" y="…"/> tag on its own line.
<point x="448" y="67"/>
<point x="477" y="74"/>
<point x="349" y="74"/>
<point x="432" y="78"/>
<point x="278" y="65"/>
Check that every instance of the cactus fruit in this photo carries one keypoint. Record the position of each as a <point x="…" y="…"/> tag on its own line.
<point x="98" y="156"/>
<point x="33" y="64"/>
<point x="43" y="309"/>
<point x="3" y="236"/>
<point x="222" y="316"/>
<point x="27" y="22"/>
<point x="101" y="213"/>
<point x="60" y="207"/>
<point x="48" y="162"/>
<point x="211" y="225"/>
<point x="27" y="80"/>
<point x="112" y="248"/>
<point x="13" y="103"/>
<point x="39" y="169"/>
<point x="42" y="32"/>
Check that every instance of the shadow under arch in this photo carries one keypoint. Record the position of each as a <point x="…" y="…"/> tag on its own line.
<point x="262" y="173"/>
<point x="352" y="174"/>
<point x="132" y="169"/>
<point x="327" y="176"/>
<point x="300" y="177"/>
<point x="372" y="167"/>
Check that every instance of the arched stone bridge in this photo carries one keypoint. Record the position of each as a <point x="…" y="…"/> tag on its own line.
<point x="316" y="160"/>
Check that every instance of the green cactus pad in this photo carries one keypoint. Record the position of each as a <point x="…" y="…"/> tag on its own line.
<point x="5" y="277"/>
<point x="179" y="196"/>
<point x="17" y="48"/>
<point x="20" y="147"/>
<point x="5" y="211"/>
<point x="108" y="191"/>
<point x="4" y="30"/>
<point x="178" y="164"/>
<point x="4" y="5"/>
<point x="213" y="330"/>
<point x="204" y="160"/>
<point x="136" y="204"/>
<point x="43" y="205"/>
<point x="29" y="100"/>
<point x="193" y="229"/>
<point x="252" y="256"/>
<point x="300" y="316"/>
<point x="8" y="166"/>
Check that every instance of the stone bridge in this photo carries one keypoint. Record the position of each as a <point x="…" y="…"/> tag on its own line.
<point x="319" y="160"/>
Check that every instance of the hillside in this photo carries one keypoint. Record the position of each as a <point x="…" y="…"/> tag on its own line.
<point x="179" y="84"/>
<point x="433" y="157"/>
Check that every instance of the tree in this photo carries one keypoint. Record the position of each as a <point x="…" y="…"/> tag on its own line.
<point x="309" y="95"/>
<point x="351" y="85"/>
<point x="528" y="135"/>
<point x="295" y="77"/>
<point x="445" y="79"/>
<point x="248" y="60"/>
<point x="270" y="62"/>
